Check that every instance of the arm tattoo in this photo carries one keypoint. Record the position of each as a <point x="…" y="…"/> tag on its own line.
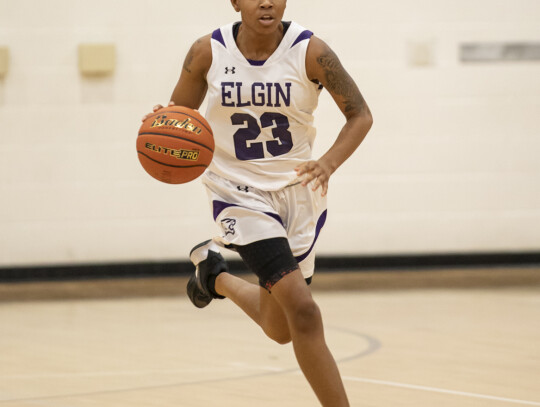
<point x="189" y="57"/>
<point x="340" y="82"/>
<point x="187" y="62"/>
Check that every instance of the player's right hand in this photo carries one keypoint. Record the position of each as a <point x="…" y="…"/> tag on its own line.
<point x="155" y="109"/>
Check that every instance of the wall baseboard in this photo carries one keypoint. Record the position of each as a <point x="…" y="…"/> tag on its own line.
<point x="324" y="264"/>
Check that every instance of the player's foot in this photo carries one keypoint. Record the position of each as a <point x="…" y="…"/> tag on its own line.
<point x="208" y="264"/>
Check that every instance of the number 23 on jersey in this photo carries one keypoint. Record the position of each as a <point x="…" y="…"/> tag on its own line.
<point x="246" y="148"/>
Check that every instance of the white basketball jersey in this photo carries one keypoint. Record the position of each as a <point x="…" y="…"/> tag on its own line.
<point x="261" y="112"/>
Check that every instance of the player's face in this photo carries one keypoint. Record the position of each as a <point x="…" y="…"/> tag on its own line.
<point x="263" y="16"/>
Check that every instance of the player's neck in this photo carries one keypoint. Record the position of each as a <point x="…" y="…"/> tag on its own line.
<point x="257" y="46"/>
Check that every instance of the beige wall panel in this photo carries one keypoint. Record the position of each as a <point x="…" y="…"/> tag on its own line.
<point x="97" y="59"/>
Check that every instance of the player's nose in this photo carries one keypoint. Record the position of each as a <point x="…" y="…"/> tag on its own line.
<point x="266" y="3"/>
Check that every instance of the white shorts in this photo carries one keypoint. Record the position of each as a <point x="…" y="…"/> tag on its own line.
<point x="246" y="215"/>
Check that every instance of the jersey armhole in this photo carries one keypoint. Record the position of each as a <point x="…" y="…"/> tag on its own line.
<point x="215" y="41"/>
<point x="305" y="45"/>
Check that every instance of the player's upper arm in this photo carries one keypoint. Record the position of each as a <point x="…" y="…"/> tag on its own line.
<point x="191" y="87"/>
<point x="323" y="65"/>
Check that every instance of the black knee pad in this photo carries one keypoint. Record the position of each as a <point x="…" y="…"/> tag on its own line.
<point x="269" y="259"/>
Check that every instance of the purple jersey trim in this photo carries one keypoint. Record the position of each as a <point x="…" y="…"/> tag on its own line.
<point x="304" y="35"/>
<point x="320" y="224"/>
<point x="220" y="206"/>
<point x="256" y="63"/>
<point x="216" y="35"/>
<point x="275" y="216"/>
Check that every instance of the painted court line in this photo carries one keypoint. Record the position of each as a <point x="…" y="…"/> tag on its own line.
<point x="438" y="390"/>
<point x="120" y="373"/>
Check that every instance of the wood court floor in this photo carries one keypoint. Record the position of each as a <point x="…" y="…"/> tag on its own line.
<point x="472" y="339"/>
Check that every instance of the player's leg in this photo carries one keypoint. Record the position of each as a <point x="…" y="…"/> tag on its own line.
<point x="307" y="333"/>
<point x="289" y="311"/>
<point x="257" y="303"/>
<point x="290" y="301"/>
<point x="211" y="280"/>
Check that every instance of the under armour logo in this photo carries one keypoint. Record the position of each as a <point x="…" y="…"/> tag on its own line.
<point x="228" y="226"/>
<point x="242" y="188"/>
<point x="231" y="70"/>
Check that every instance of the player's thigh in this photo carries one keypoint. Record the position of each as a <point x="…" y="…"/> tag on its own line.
<point x="270" y="259"/>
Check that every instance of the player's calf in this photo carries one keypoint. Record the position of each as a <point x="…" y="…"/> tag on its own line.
<point x="274" y="322"/>
<point x="280" y="335"/>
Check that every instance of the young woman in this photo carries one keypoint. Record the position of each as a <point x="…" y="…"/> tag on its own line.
<point x="262" y="77"/>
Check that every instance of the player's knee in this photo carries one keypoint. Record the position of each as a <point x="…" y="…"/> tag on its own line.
<point x="306" y="316"/>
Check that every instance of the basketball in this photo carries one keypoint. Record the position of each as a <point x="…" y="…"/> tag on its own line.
<point x="175" y="144"/>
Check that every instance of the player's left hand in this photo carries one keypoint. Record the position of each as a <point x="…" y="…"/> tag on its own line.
<point x="155" y="109"/>
<point x="315" y="170"/>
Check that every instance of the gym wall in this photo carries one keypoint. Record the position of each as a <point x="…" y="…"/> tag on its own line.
<point x="450" y="166"/>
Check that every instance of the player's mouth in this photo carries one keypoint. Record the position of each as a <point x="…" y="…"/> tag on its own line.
<point x="266" y="20"/>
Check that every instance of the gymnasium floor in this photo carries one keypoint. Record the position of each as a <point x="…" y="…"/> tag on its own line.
<point x="431" y="338"/>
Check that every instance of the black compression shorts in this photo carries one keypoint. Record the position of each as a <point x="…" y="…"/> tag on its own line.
<point x="269" y="259"/>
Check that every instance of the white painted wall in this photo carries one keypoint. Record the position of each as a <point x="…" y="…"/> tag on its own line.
<point x="451" y="164"/>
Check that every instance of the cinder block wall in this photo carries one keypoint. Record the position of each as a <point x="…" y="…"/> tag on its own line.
<point x="451" y="164"/>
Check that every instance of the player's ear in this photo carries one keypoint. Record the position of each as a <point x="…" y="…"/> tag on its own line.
<point x="235" y="5"/>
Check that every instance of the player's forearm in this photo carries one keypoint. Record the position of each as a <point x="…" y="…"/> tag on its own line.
<point x="348" y="140"/>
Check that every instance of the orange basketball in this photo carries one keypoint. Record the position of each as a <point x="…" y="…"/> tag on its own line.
<point x="175" y="144"/>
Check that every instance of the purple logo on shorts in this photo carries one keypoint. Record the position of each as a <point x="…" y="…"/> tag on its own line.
<point x="227" y="225"/>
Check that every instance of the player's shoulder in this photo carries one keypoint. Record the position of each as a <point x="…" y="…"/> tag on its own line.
<point x="202" y="45"/>
<point x="317" y="47"/>
<point x="317" y="52"/>
<point x="200" y="53"/>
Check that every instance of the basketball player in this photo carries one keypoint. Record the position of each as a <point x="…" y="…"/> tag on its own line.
<point x="262" y="77"/>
